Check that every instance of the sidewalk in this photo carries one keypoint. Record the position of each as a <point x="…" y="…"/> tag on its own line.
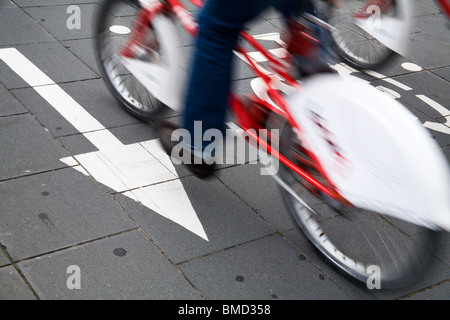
<point x="152" y="233"/>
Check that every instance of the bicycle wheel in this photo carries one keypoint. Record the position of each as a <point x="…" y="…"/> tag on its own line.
<point x="367" y="33"/>
<point x="383" y="161"/>
<point x="360" y="244"/>
<point x="146" y="82"/>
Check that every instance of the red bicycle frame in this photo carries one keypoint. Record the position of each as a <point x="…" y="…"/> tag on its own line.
<point x="445" y="6"/>
<point x="143" y="21"/>
<point x="279" y="68"/>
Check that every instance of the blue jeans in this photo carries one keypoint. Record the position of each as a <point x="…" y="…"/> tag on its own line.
<point x="219" y="25"/>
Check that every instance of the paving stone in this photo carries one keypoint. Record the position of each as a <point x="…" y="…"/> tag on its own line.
<point x="428" y="58"/>
<point x="84" y="50"/>
<point x="439" y="292"/>
<point x="58" y="63"/>
<point x="12" y="286"/>
<point x="226" y="220"/>
<point x="56" y="20"/>
<point x="12" y="17"/>
<point x="47" y="212"/>
<point x="260" y="192"/>
<point x="41" y="3"/>
<point x="265" y="269"/>
<point x="27" y="151"/>
<point x="7" y="4"/>
<point x="443" y="73"/>
<point x="92" y="95"/>
<point x="10" y="105"/>
<point x="123" y="267"/>
<point x="3" y="259"/>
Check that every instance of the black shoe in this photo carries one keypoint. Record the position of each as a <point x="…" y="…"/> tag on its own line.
<point x="164" y="131"/>
<point x="310" y="67"/>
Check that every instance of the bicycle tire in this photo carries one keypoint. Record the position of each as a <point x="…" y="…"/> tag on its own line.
<point x="352" y="45"/>
<point x="401" y="251"/>
<point x="133" y="96"/>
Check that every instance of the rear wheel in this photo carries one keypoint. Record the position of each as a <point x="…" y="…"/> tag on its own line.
<point x="361" y="244"/>
<point x="114" y="25"/>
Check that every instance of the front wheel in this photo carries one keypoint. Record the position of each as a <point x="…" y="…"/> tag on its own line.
<point x="378" y="251"/>
<point x="368" y="33"/>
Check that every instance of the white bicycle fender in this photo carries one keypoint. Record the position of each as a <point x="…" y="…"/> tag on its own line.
<point x="377" y="153"/>
<point x="164" y="80"/>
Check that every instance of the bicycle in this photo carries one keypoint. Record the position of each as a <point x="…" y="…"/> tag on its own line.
<point x="362" y="178"/>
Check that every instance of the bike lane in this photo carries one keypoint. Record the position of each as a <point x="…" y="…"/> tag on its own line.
<point x="154" y="231"/>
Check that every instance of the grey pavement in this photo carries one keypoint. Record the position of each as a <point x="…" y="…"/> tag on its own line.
<point x="237" y="241"/>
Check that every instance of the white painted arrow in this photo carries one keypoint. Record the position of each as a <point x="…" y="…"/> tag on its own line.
<point x="141" y="170"/>
<point x="441" y="127"/>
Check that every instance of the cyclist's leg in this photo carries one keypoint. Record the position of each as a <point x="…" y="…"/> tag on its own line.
<point x="209" y="87"/>
<point x="208" y="91"/>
